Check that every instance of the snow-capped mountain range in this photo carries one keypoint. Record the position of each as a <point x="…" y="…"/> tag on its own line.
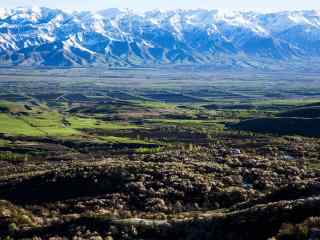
<point x="113" y="37"/>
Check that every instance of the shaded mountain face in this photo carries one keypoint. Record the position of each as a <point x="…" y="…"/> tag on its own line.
<point x="47" y="37"/>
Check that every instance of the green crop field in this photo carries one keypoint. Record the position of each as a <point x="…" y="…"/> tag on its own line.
<point x="91" y="123"/>
<point x="16" y="126"/>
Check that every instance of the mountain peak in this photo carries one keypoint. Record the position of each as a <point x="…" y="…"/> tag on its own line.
<point x="43" y="36"/>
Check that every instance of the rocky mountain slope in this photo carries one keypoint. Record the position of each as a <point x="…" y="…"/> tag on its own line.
<point x="50" y="37"/>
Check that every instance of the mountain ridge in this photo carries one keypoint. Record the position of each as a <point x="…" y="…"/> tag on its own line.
<point x="113" y="37"/>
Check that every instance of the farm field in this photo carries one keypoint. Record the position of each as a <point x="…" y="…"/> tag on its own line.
<point x="158" y="153"/>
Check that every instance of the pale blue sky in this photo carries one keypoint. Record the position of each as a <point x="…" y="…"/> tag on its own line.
<point x="141" y="5"/>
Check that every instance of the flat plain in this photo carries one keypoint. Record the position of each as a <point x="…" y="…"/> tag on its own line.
<point x="158" y="153"/>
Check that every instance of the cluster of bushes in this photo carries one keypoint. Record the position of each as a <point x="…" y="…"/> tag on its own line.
<point x="308" y="230"/>
<point x="4" y="109"/>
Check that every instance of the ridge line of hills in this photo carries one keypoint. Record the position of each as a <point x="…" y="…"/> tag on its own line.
<point x="112" y="37"/>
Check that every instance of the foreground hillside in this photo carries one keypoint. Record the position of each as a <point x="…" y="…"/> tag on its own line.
<point x="126" y="154"/>
<point x="297" y="121"/>
<point x="50" y="37"/>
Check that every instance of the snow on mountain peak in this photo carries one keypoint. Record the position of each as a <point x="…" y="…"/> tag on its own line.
<point x="198" y="36"/>
<point x="4" y="13"/>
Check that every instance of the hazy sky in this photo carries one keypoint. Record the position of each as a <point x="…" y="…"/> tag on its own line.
<point x="141" y="5"/>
